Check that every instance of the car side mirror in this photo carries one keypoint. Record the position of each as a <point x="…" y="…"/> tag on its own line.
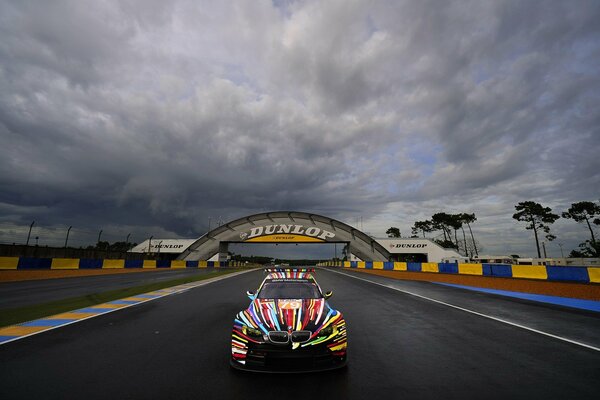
<point x="251" y="294"/>
<point x="328" y="294"/>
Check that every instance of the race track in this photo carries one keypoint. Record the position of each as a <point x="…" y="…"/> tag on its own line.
<point x="24" y="293"/>
<point x="400" y="346"/>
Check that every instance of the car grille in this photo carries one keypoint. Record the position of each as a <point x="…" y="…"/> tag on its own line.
<point x="300" y="336"/>
<point x="279" y="337"/>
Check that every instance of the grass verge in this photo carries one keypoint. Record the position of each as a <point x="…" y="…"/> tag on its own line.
<point x="13" y="316"/>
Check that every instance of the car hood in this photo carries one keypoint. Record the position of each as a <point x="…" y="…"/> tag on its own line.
<point x="288" y="314"/>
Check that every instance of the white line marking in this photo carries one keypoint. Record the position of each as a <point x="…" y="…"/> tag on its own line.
<point x="171" y="291"/>
<point x="474" y="312"/>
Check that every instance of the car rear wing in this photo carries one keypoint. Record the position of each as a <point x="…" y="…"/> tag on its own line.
<point x="289" y="269"/>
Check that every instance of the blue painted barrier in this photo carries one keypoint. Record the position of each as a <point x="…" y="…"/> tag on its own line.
<point x="573" y="274"/>
<point x="448" y="268"/>
<point x="34" y="263"/>
<point x="501" y="270"/>
<point x="90" y="263"/>
<point x="413" y="267"/>
<point x="134" y="263"/>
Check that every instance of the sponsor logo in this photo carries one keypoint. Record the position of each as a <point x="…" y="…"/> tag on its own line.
<point x="284" y="232"/>
<point x="408" y="245"/>
<point x="166" y="246"/>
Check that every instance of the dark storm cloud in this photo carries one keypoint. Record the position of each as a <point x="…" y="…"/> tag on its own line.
<point x="154" y="116"/>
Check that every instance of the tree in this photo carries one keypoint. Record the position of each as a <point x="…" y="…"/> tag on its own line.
<point x="585" y="211"/>
<point x="537" y="217"/>
<point x="455" y="223"/>
<point x="393" y="232"/>
<point x="423" y="226"/>
<point x="444" y="222"/>
<point x="469" y="219"/>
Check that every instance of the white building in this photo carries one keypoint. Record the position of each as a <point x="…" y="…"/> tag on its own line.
<point x="419" y="250"/>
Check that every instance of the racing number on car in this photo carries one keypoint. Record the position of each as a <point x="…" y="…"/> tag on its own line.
<point x="290" y="304"/>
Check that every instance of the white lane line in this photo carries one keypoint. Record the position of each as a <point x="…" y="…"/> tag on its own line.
<point x="169" y="293"/>
<point x="564" y="339"/>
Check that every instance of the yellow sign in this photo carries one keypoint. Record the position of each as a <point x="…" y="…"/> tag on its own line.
<point x="286" y="239"/>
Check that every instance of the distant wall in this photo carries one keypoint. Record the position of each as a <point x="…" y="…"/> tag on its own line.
<point x="538" y="272"/>
<point x="19" y="250"/>
<point x="25" y="263"/>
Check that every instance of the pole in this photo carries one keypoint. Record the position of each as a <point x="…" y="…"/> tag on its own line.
<point x="158" y="252"/>
<point x="29" y="234"/>
<point x="99" y="234"/>
<point x="561" y="250"/>
<point x="149" y="243"/>
<point x="67" y="238"/>
<point x="544" y="247"/>
<point x="209" y="224"/>
<point x="127" y="239"/>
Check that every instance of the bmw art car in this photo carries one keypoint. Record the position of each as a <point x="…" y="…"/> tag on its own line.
<point x="288" y="327"/>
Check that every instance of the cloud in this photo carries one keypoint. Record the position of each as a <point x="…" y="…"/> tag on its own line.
<point x="155" y="116"/>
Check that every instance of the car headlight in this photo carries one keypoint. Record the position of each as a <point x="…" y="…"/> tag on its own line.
<point x="327" y="331"/>
<point x="249" y="331"/>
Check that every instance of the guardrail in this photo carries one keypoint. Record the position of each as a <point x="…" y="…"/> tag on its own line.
<point x="24" y="263"/>
<point x="539" y="272"/>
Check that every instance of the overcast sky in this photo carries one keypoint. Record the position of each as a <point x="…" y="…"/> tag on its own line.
<point x="149" y="117"/>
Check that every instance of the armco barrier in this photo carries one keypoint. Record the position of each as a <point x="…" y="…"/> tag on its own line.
<point x="537" y="272"/>
<point x="25" y="263"/>
<point x="575" y="274"/>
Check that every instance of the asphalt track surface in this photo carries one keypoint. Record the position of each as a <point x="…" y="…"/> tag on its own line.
<point x="400" y="347"/>
<point x="24" y="293"/>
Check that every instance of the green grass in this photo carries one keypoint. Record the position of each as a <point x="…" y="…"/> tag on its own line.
<point x="23" y="314"/>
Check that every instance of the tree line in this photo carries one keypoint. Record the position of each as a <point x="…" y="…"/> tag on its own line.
<point x="449" y="225"/>
<point x="537" y="218"/>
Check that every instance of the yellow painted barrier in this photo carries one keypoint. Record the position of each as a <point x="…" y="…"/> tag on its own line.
<point x="217" y="264"/>
<point x="594" y="273"/>
<point x="377" y="264"/>
<point x="178" y="264"/>
<point x="430" y="267"/>
<point x="202" y="264"/>
<point x="149" y="264"/>
<point x="113" y="264"/>
<point x="346" y="264"/>
<point x="470" y="269"/>
<point x="529" y="271"/>
<point x="360" y="264"/>
<point x="400" y="266"/>
<point x="9" y="262"/>
<point x="65" y="263"/>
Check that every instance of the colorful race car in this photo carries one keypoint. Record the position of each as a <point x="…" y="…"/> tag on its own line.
<point x="288" y="327"/>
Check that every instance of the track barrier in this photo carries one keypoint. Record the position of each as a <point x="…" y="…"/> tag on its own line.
<point x="24" y="263"/>
<point x="536" y="272"/>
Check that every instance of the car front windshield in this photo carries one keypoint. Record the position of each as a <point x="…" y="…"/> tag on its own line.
<point x="289" y="290"/>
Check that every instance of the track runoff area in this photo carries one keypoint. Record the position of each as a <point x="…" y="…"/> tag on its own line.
<point x="405" y="340"/>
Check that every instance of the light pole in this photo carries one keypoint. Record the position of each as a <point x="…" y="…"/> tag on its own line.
<point x="127" y="241"/>
<point x="29" y="234"/>
<point x="67" y="238"/>
<point x="158" y="252"/>
<point x="99" y="235"/>
<point x="544" y="247"/>
<point x="149" y="243"/>
<point x="561" y="250"/>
